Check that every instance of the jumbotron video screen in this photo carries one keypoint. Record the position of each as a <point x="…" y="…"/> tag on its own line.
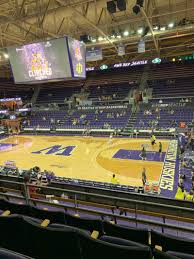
<point x="45" y="61"/>
<point x="77" y="57"/>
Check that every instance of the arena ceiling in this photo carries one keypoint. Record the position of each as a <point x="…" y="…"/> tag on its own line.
<point x="25" y="21"/>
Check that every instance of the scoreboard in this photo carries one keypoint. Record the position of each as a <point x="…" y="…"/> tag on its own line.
<point x="57" y="59"/>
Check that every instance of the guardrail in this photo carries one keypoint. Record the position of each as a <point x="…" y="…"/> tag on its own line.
<point x="135" y="132"/>
<point x="164" y="211"/>
<point x="68" y="130"/>
<point x="9" y="182"/>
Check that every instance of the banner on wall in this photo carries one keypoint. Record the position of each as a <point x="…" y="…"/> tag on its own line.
<point x="93" y="54"/>
<point x="141" y="46"/>
<point x="121" y="50"/>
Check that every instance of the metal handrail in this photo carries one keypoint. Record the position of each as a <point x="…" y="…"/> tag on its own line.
<point x="104" y="197"/>
<point x="117" y="198"/>
<point x="101" y="213"/>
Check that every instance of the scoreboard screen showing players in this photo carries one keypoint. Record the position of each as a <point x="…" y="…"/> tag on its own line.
<point x="45" y="61"/>
<point x="77" y="56"/>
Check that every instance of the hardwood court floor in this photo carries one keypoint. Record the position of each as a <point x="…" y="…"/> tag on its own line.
<point x="89" y="158"/>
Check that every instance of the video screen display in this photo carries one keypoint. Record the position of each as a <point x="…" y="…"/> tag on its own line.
<point x="77" y="51"/>
<point x="41" y="61"/>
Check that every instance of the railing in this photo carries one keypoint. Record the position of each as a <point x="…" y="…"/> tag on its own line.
<point x="69" y="130"/>
<point x="78" y="198"/>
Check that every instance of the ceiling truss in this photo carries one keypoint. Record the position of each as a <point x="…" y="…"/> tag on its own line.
<point x="25" y="21"/>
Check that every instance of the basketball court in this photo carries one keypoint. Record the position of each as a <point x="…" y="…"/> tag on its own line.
<point x="89" y="158"/>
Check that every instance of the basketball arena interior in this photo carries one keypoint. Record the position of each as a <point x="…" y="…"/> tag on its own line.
<point x="97" y="129"/>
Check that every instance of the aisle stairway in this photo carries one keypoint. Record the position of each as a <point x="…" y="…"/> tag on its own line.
<point x="130" y="125"/>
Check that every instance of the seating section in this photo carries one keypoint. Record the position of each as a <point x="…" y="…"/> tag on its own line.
<point x="109" y="92"/>
<point x="172" y="88"/>
<point x="167" y="80"/>
<point x="96" y="208"/>
<point x="8" y="90"/>
<point x="44" y="118"/>
<point x="168" y="117"/>
<point x="56" y="95"/>
<point x="29" y="238"/>
<point x="41" y="234"/>
<point x="102" y="118"/>
<point x="133" y="74"/>
<point x="62" y="182"/>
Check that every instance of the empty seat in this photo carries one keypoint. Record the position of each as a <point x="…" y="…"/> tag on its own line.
<point x="53" y="216"/>
<point x="120" y="241"/>
<point x="95" y="249"/>
<point x="83" y="223"/>
<point x="133" y="234"/>
<point x="49" y="243"/>
<point x="15" y="208"/>
<point x="181" y="255"/>
<point x="14" y="235"/>
<point x="162" y="255"/>
<point x="171" y="243"/>
<point x="7" y="254"/>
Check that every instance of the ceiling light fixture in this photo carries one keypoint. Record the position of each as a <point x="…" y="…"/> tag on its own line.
<point x="100" y="38"/>
<point x="163" y="28"/>
<point x="126" y="33"/>
<point x="171" y="25"/>
<point x="156" y="28"/>
<point x="140" y="31"/>
<point x="6" y="55"/>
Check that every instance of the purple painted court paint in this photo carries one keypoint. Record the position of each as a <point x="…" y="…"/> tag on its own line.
<point x="135" y="155"/>
<point x="6" y="146"/>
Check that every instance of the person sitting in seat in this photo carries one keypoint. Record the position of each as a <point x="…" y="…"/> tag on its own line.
<point x="114" y="180"/>
<point x="33" y="191"/>
<point x="192" y="178"/>
<point x="180" y="195"/>
<point x="73" y="122"/>
<point x="189" y="196"/>
<point x="141" y="123"/>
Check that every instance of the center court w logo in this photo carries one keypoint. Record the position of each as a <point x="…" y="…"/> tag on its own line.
<point x="57" y="150"/>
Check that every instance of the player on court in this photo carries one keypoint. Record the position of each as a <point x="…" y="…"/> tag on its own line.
<point x="144" y="177"/>
<point x="143" y="154"/>
<point x="160" y="150"/>
<point x="153" y="140"/>
<point x="110" y="139"/>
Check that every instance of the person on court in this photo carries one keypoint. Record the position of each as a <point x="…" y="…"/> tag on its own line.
<point x="143" y="154"/>
<point x="160" y="150"/>
<point x="153" y="140"/>
<point x="110" y="139"/>
<point x="144" y="177"/>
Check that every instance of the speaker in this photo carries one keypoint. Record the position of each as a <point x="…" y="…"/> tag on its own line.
<point x="85" y="38"/>
<point x="111" y="6"/>
<point x="136" y="9"/>
<point x="121" y="5"/>
<point x="146" y="30"/>
<point x="140" y="2"/>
